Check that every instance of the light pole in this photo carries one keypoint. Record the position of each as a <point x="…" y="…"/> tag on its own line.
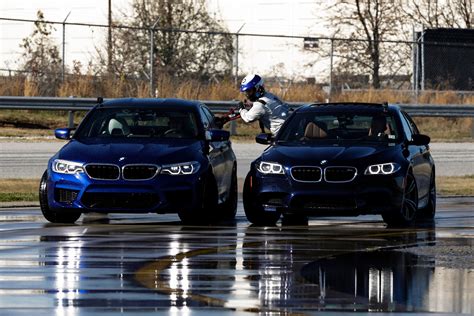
<point x="109" y="39"/>
<point x="152" y="53"/>
<point x="64" y="46"/>
<point x="236" y="77"/>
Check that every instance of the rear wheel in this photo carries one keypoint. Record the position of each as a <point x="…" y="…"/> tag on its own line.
<point x="66" y="216"/>
<point x="205" y="212"/>
<point x="254" y="209"/>
<point x="428" y="212"/>
<point x="405" y="215"/>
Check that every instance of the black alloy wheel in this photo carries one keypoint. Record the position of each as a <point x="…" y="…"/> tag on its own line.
<point x="254" y="209"/>
<point x="405" y="215"/>
<point x="205" y="212"/>
<point x="228" y="209"/>
<point x="66" y="216"/>
<point x="429" y="211"/>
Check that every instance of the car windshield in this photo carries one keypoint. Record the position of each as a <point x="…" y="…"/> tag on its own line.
<point x="138" y="123"/>
<point x="339" y="126"/>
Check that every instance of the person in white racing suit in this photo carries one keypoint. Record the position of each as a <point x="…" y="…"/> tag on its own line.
<point x="263" y="106"/>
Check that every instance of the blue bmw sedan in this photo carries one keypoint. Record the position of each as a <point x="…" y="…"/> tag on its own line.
<point x="343" y="159"/>
<point x="142" y="156"/>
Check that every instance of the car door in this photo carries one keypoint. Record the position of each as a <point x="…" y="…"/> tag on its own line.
<point x="216" y="152"/>
<point x="420" y="157"/>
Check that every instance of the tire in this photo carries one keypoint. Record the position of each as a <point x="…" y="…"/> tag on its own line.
<point x="64" y="216"/>
<point x="428" y="212"/>
<point x="205" y="212"/>
<point x="228" y="209"/>
<point x="254" y="210"/>
<point x="406" y="214"/>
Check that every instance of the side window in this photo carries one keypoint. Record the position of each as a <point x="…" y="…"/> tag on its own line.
<point x="209" y="116"/>
<point x="413" y="126"/>
<point x="406" y="126"/>
<point x="204" y="119"/>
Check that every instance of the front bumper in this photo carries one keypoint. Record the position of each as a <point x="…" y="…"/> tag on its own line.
<point x="162" y="194"/>
<point x="363" y="195"/>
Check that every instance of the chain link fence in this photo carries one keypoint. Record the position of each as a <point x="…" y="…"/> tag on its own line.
<point x="434" y="60"/>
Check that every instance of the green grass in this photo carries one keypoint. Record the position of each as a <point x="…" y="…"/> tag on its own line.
<point x="18" y="197"/>
<point x="456" y="185"/>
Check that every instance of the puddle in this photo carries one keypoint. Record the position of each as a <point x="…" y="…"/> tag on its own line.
<point x="391" y="281"/>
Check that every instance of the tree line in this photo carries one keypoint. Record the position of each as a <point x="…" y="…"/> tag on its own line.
<point x="188" y="42"/>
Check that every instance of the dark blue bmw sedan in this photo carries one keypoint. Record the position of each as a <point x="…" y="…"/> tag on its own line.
<point x="343" y="159"/>
<point x="146" y="156"/>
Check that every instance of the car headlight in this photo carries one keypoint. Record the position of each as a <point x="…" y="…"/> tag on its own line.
<point x="67" y="167"/>
<point x="270" y="168"/>
<point x="181" y="168"/>
<point x="383" y="168"/>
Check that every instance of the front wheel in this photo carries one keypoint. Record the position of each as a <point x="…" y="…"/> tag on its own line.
<point x="205" y="211"/>
<point x="63" y="216"/>
<point x="254" y="209"/>
<point x="428" y="212"/>
<point x="406" y="214"/>
<point x="228" y="209"/>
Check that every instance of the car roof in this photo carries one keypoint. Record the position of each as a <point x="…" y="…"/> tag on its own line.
<point x="349" y="107"/>
<point x="167" y="103"/>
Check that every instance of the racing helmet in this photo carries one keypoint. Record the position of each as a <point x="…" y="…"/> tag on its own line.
<point x="253" y="81"/>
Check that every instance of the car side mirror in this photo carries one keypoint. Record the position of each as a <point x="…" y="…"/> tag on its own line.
<point x="420" y="140"/>
<point x="264" y="138"/>
<point x="62" y="133"/>
<point x="217" y="135"/>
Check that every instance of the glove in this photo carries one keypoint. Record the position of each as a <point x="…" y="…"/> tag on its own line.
<point x="241" y="106"/>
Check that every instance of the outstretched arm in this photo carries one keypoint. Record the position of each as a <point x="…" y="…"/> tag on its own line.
<point x="254" y="113"/>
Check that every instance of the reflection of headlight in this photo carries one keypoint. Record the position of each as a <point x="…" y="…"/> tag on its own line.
<point x="383" y="168"/>
<point x="181" y="168"/>
<point x="270" y="168"/>
<point x="67" y="167"/>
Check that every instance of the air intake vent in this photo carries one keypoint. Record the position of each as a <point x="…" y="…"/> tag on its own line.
<point x="306" y="174"/>
<point x="103" y="171"/>
<point x="125" y="201"/>
<point x="65" y="195"/>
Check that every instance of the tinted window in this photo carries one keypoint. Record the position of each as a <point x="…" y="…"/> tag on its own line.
<point x="373" y="126"/>
<point x="407" y="126"/>
<point x="413" y="127"/>
<point x="206" y="117"/>
<point x="137" y="122"/>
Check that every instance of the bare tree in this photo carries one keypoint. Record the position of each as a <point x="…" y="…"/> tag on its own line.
<point x="440" y="13"/>
<point x="187" y="40"/>
<point x="40" y="58"/>
<point x="367" y="24"/>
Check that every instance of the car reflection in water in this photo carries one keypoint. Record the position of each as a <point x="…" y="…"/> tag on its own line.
<point x="226" y="269"/>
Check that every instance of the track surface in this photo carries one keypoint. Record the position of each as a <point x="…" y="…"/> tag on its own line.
<point x="138" y="264"/>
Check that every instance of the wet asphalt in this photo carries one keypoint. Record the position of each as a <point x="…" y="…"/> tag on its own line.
<point x="142" y="264"/>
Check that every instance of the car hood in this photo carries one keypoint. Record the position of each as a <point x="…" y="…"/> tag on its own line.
<point x="159" y="152"/>
<point x="332" y="154"/>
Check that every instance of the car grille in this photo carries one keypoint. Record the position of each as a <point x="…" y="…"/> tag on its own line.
<point x="103" y="171"/>
<point x="339" y="174"/>
<point x="113" y="200"/>
<point x="306" y="174"/>
<point x="139" y="172"/>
